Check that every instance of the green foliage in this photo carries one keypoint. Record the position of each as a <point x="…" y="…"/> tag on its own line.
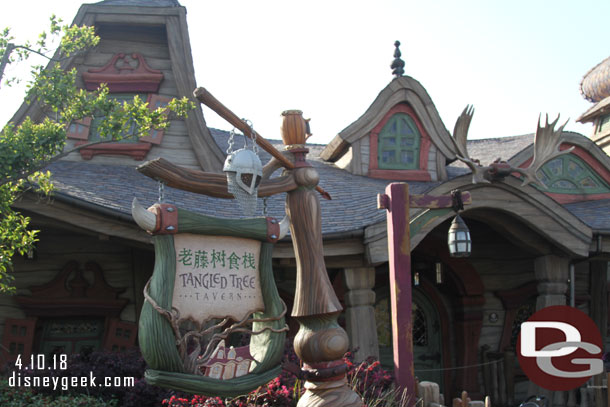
<point x="27" y="147"/>
<point x="17" y="397"/>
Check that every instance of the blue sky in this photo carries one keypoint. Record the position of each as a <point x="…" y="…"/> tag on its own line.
<point x="512" y="60"/>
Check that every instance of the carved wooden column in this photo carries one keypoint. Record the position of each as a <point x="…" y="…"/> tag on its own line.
<point x="552" y="276"/>
<point x="320" y="342"/>
<point x="360" y="312"/>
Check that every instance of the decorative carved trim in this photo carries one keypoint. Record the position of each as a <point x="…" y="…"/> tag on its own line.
<point x="125" y="73"/>
<point x="137" y="151"/>
<point x="570" y="198"/>
<point x="75" y="297"/>
<point x="422" y="173"/>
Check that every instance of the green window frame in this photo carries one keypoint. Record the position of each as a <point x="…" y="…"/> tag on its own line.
<point x="399" y="143"/>
<point x="569" y="174"/>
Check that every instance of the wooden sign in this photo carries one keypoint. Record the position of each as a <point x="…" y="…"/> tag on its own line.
<point x="212" y="278"/>
<point x="216" y="277"/>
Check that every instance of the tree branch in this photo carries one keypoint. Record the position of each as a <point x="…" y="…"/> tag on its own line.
<point x="57" y="157"/>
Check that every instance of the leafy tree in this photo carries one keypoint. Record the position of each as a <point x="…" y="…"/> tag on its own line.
<point x="26" y="148"/>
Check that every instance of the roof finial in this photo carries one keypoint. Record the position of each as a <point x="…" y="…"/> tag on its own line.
<point x="398" y="64"/>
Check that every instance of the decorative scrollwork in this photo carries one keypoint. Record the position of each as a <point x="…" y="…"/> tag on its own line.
<point x="196" y="359"/>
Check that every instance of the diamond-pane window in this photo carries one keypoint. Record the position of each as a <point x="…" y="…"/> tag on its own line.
<point x="384" y="326"/>
<point x="420" y="327"/>
<point x="523" y="313"/>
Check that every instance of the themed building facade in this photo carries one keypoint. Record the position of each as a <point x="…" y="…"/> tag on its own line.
<point x="82" y="287"/>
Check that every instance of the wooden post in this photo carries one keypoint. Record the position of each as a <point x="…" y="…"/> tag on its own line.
<point x="320" y="342"/>
<point x="396" y="201"/>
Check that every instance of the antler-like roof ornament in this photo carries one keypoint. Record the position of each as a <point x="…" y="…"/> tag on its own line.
<point x="546" y="147"/>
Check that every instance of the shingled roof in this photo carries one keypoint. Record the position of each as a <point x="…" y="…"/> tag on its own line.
<point x="354" y="203"/>
<point x="140" y="3"/>
<point x="594" y="213"/>
<point x="353" y="207"/>
<point x="490" y="149"/>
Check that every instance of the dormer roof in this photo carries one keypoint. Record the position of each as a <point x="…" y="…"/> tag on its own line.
<point x="403" y="89"/>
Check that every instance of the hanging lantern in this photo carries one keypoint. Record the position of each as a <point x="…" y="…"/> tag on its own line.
<point x="459" y="241"/>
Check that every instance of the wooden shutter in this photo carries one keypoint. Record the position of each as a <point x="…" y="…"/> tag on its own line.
<point x="79" y="129"/>
<point x="121" y="335"/>
<point x="17" y="338"/>
<point x="155" y="102"/>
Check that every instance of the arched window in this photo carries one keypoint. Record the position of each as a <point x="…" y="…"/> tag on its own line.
<point x="398" y="144"/>
<point x="569" y="174"/>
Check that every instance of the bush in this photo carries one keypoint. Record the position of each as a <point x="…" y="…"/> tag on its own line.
<point x="368" y="379"/>
<point x="18" y="397"/>
<point x="107" y="364"/>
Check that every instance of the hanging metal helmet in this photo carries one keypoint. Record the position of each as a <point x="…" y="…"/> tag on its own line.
<point x="247" y="168"/>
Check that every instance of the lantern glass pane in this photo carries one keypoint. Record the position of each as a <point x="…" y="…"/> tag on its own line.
<point x="461" y="247"/>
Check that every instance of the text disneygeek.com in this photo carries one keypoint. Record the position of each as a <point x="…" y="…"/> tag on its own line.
<point x="63" y="383"/>
<point x="21" y="377"/>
